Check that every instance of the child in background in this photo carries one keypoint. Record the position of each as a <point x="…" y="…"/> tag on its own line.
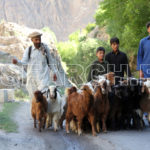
<point x="100" y="66"/>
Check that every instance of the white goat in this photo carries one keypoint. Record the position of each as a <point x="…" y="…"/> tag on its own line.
<point x="55" y="107"/>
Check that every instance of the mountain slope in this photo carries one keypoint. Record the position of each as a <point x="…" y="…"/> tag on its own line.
<point x="62" y="16"/>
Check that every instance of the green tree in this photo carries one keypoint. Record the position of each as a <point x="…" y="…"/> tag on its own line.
<point x="78" y="53"/>
<point x="90" y="27"/>
<point x="47" y="29"/>
<point x="125" y="19"/>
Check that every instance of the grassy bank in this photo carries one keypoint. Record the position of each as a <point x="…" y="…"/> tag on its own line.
<point x="6" y="121"/>
<point x="21" y="95"/>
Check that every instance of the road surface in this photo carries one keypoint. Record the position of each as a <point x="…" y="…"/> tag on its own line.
<point x="29" y="138"/>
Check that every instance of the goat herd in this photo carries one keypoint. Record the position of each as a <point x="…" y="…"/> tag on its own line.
<point x="97" y="105"/>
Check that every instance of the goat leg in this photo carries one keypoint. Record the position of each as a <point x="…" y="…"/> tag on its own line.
<point x="98" y="126"/>
<point x="104" y="124"/>
<point x="56" y="122"/>
<point x="73" y="126"/>
<point x="91" y="119"/>
<point x="40" y="124"/>
<point x="48" y="120"/>
<point x="34" y="122"/>
<point x="61" y="121"/>
<point x="67" y="126"/>
<point x="79" y="126"/>
<point x="69" y="117"/>
<point x="44" y="121"/>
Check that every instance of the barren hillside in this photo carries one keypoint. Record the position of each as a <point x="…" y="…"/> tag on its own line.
<point x="62" y="16"/>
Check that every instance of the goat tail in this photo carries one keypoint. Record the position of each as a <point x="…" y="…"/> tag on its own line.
<point x="71" y="90"/>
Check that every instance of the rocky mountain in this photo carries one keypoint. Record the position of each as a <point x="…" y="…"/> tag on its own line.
<point x="62" y="16"/>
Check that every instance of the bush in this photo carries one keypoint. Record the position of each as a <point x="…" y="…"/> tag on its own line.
<point x="20" y="94"/>
<point x="90" y="27"/>
<point x="47" y="29"/>
<point x="78" y="53"/>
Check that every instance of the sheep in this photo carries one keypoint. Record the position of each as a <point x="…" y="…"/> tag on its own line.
<point x="56" y="105"/>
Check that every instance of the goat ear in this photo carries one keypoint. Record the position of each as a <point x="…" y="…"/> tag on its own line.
<point x="43" y="92"/>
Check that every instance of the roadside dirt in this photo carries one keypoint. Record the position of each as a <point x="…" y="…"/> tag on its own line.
<point x="29" y="138"/>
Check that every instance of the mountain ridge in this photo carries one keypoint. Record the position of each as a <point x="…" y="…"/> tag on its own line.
<point x="62" y="16"/>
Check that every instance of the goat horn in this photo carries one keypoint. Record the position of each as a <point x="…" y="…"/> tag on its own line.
<point x="43" y="92"/>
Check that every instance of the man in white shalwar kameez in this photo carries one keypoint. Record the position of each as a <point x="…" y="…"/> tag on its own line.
<point x="39" y="63"/>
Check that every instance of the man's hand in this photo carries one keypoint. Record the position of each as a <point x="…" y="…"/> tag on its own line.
<point x="141" y="74"/>
<point x="54" y="77"/>
<point x="14" y="61"/>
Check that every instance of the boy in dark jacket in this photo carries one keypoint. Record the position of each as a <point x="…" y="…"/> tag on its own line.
<point x="118" y="61"/>
<point x="98" y="67"/>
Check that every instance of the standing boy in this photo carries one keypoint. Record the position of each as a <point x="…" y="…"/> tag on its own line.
<point x="118" y="62"/>
<point x="98" y="67"/>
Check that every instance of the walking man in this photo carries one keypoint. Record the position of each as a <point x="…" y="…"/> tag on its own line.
<point x="39" y="62"/>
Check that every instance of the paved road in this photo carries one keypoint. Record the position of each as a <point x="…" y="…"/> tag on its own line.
<point x="29" y="138"/>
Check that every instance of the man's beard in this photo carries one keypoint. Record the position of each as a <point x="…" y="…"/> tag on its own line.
<point x="37" y="45"/>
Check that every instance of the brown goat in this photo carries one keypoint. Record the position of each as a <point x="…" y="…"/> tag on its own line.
<point x="79" y="106"/>
<point x="39" y="109"/>
<point x="101" y="106"/>
<point x="68" y="92"/>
